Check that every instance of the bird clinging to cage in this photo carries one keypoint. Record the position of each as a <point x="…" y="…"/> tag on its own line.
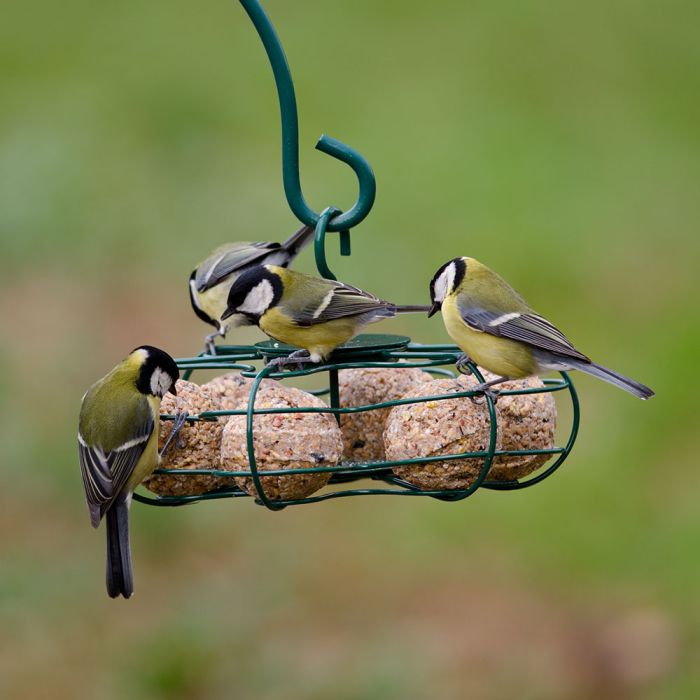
<point x="494" y="326"/>
<point x="212" y="279"/>
<point x="118" y="447"/>
<point x="314" y="314"/>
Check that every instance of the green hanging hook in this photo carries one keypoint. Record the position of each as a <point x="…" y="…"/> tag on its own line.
<point x="320" y="242"/>
<point x="290" y="137"/>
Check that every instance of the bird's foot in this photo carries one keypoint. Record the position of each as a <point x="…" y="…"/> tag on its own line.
<point x="178" y="422"/>
<point x="485" y="389"/>
<point x="462" y="364"/>
<point x="209" y="346"/>
<point x="296" y="360"/>
<point x="484" y="392"/>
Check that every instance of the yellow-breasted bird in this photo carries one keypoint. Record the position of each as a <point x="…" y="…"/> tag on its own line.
<point x="118" y="447"/>
<point x="212" y="279"/>
<point x="494" y="326"/>
<point x="311" y="313"/>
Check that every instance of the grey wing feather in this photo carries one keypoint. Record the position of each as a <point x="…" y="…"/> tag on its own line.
<point x="524" y="327"/>
<point x="345" y="301"/>
<point x="97" y="479"/>
<point x="105" y="473"/>
<point x="229" y="259"/>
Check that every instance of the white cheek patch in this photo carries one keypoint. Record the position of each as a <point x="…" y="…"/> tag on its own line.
<point x="444" y="282"/>
<point x="258" y="300"/>
<point x="160" y="382"/>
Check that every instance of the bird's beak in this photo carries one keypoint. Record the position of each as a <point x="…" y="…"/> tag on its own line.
<point x="434" y="308"/>
<point x="228" y="313"/>
<point x="172" y="390"/>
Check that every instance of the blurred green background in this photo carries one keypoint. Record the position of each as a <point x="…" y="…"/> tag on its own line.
<point x="555" y="141"/>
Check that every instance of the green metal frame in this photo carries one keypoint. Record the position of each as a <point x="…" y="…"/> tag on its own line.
<point x="290" y="137"/>
<point x="364" y="351"/>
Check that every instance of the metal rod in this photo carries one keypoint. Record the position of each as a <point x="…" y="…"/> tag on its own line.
<point x="290" y="136"/>
<point x="335" y="393"/>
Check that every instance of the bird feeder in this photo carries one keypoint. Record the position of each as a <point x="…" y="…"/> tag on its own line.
<point x="369" y="352"/>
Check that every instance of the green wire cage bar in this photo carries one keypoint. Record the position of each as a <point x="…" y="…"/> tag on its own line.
<point x="365" y="351"/>
<point x="370" y="351"/>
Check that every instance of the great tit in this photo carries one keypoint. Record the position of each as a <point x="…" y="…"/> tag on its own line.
<point x="211" y="280"/>
<point x="311" y="313"/>
<point x="494" y="326"/>
<point x="118" y="447"/>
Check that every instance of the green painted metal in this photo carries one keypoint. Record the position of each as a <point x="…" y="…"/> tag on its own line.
<point x="564" y="452"/>
<point x="433" y="358"/>
<point x="345" y="248"/>
<point x="320" y="242"/>
<point x="272" y="505"/>
<point x="362" y="347"/>
<point x="290" y="137"/>
<point x="334" y="392"/>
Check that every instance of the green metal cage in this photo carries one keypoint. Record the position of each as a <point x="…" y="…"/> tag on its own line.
<point x="368" y="351"/>
<point x="365" y="351"/>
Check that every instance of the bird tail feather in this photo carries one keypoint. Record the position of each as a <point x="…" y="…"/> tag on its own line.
<point x="608" y="375"/>
<point x="119" y="577"/>
<point x="298" y="240"/>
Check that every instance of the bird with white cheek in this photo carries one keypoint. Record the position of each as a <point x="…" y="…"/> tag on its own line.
<point x="314" y="314"/>
<point x="212" y="279"/>
<point x="118" y="447"/>
<point x="495" y="328"/>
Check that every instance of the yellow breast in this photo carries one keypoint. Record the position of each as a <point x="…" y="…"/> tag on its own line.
<point x="320" y="339"/>
<point x="502" y="356"/>
<point x="149" y="459"/>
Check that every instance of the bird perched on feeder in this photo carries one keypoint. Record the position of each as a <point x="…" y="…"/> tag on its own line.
<point x="494" y="326"/>
<point x="212" y="279"/>
<point x="118" y="447"/>
<point x="311" y="313"/>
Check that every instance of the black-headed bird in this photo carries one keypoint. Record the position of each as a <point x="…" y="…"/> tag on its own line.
<point x="212" y="279"/>
<point x="118" y="448"/>
<point x="495" y="328"/>
<point x="314" y="314"/>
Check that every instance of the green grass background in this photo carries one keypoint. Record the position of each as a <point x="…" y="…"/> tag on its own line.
<point x="555" y="141"/>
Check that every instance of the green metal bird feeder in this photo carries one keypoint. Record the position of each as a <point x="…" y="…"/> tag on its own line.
<point x="368" y="351"/>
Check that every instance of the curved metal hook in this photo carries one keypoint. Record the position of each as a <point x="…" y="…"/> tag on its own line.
<point x="290" y="137"/>
<point x="320" y="242"/>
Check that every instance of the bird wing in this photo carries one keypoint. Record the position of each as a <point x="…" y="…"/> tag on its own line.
<point x="341" y="301"/>
<point x="106" y="472"/>
<point x="230" y="258"/>
<point x="525" y="327"/>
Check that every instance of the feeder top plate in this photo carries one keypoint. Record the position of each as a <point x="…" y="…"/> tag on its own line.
<point x="371" y="344"/>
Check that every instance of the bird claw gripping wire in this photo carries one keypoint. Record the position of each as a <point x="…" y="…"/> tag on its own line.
<point x="209" y="345"/>
<point x="298" y="360"/>
<point x="179" y="421"/>
<point x="462" y="364"/>
<point x="484" y="394"/>
<point x="339" y="221"/>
